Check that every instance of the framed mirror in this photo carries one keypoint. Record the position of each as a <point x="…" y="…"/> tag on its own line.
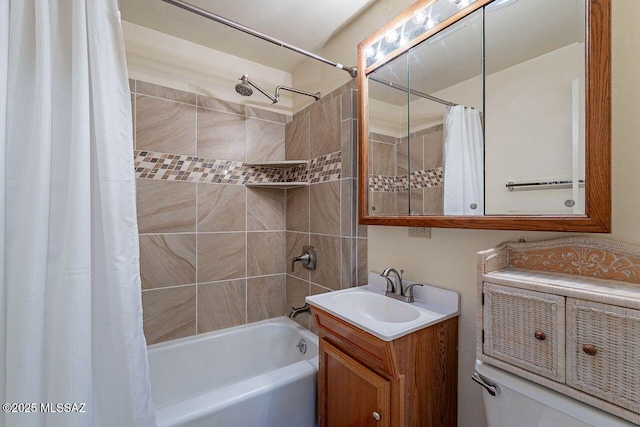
<point x="489" y="114"/>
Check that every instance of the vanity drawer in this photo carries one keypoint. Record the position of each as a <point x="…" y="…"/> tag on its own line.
<point x="603" y="352"/>
<point x="525" y="329"/>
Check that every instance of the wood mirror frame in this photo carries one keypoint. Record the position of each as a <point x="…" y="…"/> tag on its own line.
<point x="597" y="132"/>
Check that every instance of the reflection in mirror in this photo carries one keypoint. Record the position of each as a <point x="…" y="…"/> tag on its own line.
<point x="446" y="141"/>
<point x="388" y="124"/>
<point x="535" y="105"/>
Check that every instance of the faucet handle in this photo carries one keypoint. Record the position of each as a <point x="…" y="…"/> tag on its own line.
<point x="408" y="291"/>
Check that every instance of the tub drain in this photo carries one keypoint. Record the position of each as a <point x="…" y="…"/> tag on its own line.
<point x="302" y="346"/>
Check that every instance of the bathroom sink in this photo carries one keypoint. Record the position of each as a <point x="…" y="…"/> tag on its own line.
<point x="367" y="308"/>
<point x="376" y="307"/>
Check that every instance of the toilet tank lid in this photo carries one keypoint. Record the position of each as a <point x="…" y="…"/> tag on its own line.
<point x="558" y="401"/>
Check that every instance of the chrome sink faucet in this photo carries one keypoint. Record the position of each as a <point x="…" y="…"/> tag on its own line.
<point x="397" y="290"/>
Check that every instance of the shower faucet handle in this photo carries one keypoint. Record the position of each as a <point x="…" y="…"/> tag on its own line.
<point x="308" y="258"/>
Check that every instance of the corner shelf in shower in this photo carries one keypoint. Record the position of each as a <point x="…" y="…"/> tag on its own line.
<point x="278" y="185"/>
<point x="279" y="164"/>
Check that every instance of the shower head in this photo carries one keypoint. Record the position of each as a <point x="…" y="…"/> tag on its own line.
<point x="243" y="88"/>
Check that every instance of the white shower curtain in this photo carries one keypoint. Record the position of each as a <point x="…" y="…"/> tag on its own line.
<point x="464" y="162"/>
<point x="70" y="309"/>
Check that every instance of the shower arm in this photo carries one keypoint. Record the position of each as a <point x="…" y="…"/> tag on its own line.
<point x="353" y="71"/>
<point x="316" y="95"/>
<point x="262" y="91"/>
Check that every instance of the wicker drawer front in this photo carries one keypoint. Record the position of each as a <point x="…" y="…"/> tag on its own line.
<point x="525" y="329"/>
<point x="603" y="352"/>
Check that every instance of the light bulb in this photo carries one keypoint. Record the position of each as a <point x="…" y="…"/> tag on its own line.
<point x="369" y="51"/>
<point x="403" y="41"/>
<point x="420" y="17"/>
<point x="379" y="55"/>
<point x="432" y="23"/>
<point x="391" y="36"/>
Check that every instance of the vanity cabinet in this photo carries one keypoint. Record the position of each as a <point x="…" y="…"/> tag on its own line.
<point x="565" y="314"/>
<point x="366" y="381"/>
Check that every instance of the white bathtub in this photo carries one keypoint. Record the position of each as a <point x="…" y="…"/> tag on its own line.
<point x="250" y="375"/>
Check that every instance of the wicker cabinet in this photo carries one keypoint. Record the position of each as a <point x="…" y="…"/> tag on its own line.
<point x="565" y="314"/>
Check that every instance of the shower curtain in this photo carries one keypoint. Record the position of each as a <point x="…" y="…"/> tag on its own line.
<point x="464" y="162"/>
<point x="70" y="308"/>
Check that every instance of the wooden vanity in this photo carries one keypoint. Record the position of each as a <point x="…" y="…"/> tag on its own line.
<point x="366" y="381"/>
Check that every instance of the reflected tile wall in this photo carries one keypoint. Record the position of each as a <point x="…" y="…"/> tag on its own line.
<point x="212" y="254"/>
<point x="324" y="214"/>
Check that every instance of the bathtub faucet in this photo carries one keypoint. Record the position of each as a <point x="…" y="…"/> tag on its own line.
<point x="295" y="311"/>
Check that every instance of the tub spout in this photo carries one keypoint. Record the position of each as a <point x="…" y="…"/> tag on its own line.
<point x="297" y="310"/>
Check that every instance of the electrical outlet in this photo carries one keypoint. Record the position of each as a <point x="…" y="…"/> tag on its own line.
<point x="420" y="232"/>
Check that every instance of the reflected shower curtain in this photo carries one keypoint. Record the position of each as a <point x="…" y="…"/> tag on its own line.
<point x="464" y="162"/>
<point x="70" y="308"/>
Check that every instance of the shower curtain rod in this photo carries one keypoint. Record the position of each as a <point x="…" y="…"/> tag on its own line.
<point x="353" y="71"/>
<point x="412" y="91"/>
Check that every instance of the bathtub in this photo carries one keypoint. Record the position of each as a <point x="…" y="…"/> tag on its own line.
<point x="250" y="375"/>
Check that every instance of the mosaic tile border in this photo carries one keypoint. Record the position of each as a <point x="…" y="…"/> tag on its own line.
<point x="418" y="179"/>
<point x="320" y="169"/>
<point x="177" y="167"/>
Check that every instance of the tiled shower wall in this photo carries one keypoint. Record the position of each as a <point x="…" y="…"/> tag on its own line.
<point x="212" y="251"/>
<point x="389" y="177"/>
<point x="324" y="214"/>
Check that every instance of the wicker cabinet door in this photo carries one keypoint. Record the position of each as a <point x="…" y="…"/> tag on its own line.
<point x="603" y="352"/>
<point x="525" y="329"/>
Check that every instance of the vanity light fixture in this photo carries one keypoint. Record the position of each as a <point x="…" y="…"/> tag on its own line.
<point x="369" y="52"/>
<point x="444" y="34"/>
<point x="391" y="36"/>
<point x="420" y="17"/>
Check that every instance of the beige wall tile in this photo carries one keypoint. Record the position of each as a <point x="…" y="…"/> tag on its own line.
<point x="383" y="159"/>
<point x="221" y="207"/>
<point x="165" y="93"/>
<point x="221" y="305"/>
<point x="402" y="200"/>
<point x="165" y="126"/>
<point x="327" y="272"/>
<point x="298" y="209"/>
<point x="265" y="141"/>
<point x="402" y="153"/>
<point x="346" y="105"/>
<point x="325" y="128"/>
<point x="167" y="260"/>
<point x="433" y="145"/>
<point x="271" y="116"/>
<point x="265" y="209"/>
<point x="325" y="208"/>
<point x="295" y="243"/>
<point x="221" y="256"/>
<point x="221" y="136"/>
<point x="296" y="291"/>
<point x="348" y="272"/>
<point x="169" y="313"/>
<point x="382" y="203"/>
<point x="265" y="297"/>
<point x="166" y="207"/>
<point x="363" y="272"/>
<point x="265" y="253"/>
<point x="346" y="201"/>
<point x="347" y="147"/>
<point x="132" y="85"/>
<point x="297" y="138"/>
<point x="434" y="201"/>
<point x="220" y="105"/>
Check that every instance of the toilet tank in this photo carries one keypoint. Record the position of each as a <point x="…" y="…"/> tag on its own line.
<point x="523" y="403"/>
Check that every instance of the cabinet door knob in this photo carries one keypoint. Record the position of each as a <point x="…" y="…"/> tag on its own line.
<point x="591" y="350"/>
<point x="376" y="416"/>
<point x="540" y="335"/>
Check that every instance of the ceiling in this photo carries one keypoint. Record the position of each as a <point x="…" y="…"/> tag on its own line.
<point x="307" y="24"/>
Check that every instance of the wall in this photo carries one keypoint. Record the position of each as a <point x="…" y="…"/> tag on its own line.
<point x="211" y="249"/>
<point x="324" y="214"/>
<point x="448" y="259"/>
